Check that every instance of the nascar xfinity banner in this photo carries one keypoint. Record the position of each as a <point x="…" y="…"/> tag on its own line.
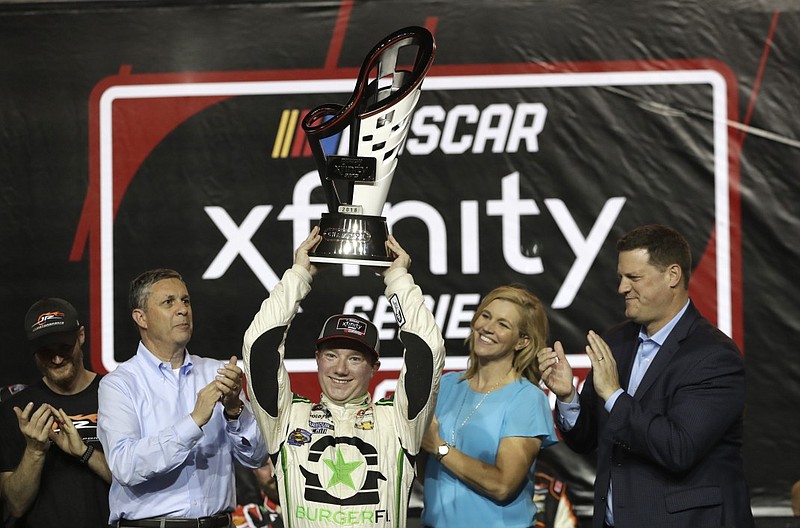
<point x="137" y="136"/>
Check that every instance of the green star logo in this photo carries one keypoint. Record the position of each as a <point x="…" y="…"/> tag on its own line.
<point x="342" y="470"/>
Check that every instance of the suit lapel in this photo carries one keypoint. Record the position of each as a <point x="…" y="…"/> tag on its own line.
<point x="625" y="363"/>
<point x="667" y="350"/>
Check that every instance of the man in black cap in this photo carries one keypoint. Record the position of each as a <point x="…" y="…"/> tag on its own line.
<point x="347" y="460"/>
<point x="52" y="468"/>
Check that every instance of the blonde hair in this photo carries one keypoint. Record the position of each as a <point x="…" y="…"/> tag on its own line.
<point x="532" y="323"/>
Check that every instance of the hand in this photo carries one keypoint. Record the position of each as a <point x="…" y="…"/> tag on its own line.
<point x="556" y="371"/>
<point x="402" y="259"/>
<point x="796" y="499"/>
<point x="432" y="440"/>
<point x="35" y="427"/>
<point x="229" y="382"/>
<point x="301" y="253"/>
<point x="207" y="398"/>
<point x="604" y="367"/>
<point x="68" y="439"/>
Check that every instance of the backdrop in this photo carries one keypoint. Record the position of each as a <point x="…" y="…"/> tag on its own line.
<point x="140" y="134"/>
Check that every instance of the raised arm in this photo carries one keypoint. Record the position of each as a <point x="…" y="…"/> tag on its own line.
<point x="418" y="384"/>
<point x="263" y="347"/>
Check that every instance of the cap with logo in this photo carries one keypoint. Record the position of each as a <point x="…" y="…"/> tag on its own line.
<point x="351" y="327"/>
<point x="51" y="321"/>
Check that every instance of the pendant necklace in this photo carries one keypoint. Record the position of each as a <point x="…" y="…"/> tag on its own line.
<point x="455" y="429"/>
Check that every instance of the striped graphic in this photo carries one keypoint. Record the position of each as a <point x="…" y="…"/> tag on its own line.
<point x="288" y="133"/>
<point x="290" y="140"/>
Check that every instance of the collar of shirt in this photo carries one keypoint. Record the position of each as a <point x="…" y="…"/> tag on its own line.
<point x="659" y="337"/>
<point x="648" y="348"/>
<point x="358" y="403"/>
<point x="164" y="367"/>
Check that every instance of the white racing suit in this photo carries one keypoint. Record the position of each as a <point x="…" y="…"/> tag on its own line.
<point x="353" y="464"/>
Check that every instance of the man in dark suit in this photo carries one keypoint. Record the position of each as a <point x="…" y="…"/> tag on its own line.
<point x="663" y="404"/>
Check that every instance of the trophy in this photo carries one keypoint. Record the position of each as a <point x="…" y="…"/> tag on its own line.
<point x="373" y="126"/>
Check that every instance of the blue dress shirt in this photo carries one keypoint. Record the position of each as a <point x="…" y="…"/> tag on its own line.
<point x="163" y="464"/>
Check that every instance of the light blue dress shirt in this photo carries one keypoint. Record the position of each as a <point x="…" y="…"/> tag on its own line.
<point x="163" y="464"/>
<point x="645" y="355"/>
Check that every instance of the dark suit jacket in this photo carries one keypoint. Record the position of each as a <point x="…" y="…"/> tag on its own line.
<point x="673" y="449"/>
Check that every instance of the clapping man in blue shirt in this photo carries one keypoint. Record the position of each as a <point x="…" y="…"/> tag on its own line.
<point x="171" y="422"/>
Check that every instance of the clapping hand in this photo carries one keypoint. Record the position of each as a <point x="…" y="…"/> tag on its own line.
<point x="67" y="437"/>
<point x="229" y="382"/>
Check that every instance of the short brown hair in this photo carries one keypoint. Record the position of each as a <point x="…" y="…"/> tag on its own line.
<point x="140" y="286"/>
<point x="664" y="246"/>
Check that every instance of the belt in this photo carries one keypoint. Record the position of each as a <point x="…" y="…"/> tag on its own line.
<point x="220" y="520"/>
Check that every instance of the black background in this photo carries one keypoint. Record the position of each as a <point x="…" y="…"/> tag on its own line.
<point x="596" y="144"/>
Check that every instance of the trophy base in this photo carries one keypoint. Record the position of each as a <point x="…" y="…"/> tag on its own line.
<point x="352" y="239"/>
<point x="347" y="260"/>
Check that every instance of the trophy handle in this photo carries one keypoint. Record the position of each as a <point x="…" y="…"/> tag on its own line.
<point x="316" y="119"/>
<point x="384" y="94"/>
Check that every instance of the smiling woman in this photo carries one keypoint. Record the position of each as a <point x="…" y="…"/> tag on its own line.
<point x="491" y="420"/>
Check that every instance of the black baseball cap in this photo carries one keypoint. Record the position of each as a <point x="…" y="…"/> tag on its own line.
<point x="353" y="328"/>
<point x="51" y="321"/>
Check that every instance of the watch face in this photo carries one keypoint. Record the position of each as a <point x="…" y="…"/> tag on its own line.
<point x="443" y="450"/>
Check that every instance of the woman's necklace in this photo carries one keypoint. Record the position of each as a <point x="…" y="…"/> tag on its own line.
<point x="456" y="430"/>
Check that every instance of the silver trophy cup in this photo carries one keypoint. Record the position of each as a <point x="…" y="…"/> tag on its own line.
<point x="374" y="123"/>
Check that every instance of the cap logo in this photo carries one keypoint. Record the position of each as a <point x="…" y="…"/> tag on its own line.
<point x="351" y="326"/>
<point x="47" y="320"/>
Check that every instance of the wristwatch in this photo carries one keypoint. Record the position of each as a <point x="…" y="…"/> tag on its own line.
<point x="442" y="451"/>
<point x="235" y="414"/>
<point x="87" y="454"/>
